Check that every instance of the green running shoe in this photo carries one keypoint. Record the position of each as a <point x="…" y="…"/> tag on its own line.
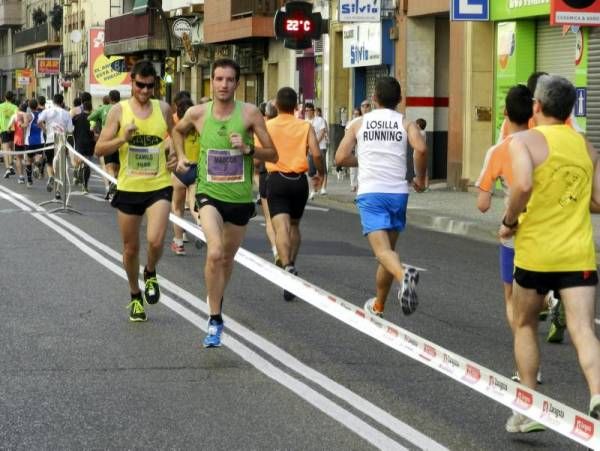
<point x="558" y="324"/>
<point x="136" y="310"/>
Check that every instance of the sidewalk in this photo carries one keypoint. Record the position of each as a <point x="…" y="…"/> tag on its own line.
<point x="440" y="209"/>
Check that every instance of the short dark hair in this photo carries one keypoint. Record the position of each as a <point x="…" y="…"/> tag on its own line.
<point x="23" y="107"/>
<point x="180" y="96"/>
<point x="85" y="97"/>
<point x="114" y="95"/>
<point x="33" y="104"/>
<point x="309" y="106"/>
<point x="143" y="68"/>
<point x="76" y="101"/>
<point x="557" y="96"/>
<point x="287" y="99"/>
<point x="388" y="92"/>
<point x="422" y="123"/>
<point x="533" y="79"/>
<point x="519" y="104"/>
<point x="9" y="96"/>
<point x="58" y="99"/>
<point x="226" y="62"/>
<point x="105" y="100"/>
<point x="87" y="106"/>
<point x="183" y="105"/>
<point x="41" y="100"/>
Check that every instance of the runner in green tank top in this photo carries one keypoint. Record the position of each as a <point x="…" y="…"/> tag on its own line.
<point x="224" y="178"/>
<point x="7" y="110"/>
<point x="137" y="129"/>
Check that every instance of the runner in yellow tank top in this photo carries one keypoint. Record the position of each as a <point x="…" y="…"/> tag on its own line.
<point x="136" y="128"/>
<point x="555" y="180"/>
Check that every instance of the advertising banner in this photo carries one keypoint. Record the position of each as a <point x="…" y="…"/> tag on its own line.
<point x="23" y="77"/>
<point x="362" y="45"/>
<point x="360" y="11"/>
<point x="102" y="75"/>
<point x="575" y="12"/>
<point x="515" y="9"/>
<point x="47" y="66"/>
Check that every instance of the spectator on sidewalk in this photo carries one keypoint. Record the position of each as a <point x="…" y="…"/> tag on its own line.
<point x="320" y="127"/>
<point x="555" y="178"/>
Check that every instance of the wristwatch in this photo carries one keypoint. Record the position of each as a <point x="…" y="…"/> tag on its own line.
<point x="510" y="226"/>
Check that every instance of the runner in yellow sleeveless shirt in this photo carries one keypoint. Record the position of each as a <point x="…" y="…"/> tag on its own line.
<point x="137" y="128"/>
<point x="555" y="179"/>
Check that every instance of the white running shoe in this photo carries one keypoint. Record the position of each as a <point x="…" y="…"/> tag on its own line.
<point x="518" y="422"/>
<point x="370" y="310"/>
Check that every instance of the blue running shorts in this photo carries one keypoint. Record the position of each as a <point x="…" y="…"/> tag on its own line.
<point x="382" y="211"/>
<point x="507" y="263"/>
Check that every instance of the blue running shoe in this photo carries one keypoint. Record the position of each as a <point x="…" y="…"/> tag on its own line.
<point x="213" y="338"/>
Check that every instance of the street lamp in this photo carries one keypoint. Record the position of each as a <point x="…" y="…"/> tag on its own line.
<point x="141" y="7"/>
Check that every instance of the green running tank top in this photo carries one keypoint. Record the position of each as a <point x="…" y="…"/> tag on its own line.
<point x="224" y="173"/>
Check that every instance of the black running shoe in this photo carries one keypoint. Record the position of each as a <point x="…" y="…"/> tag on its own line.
<point x="286" y="294"/>
<point x="407" y="294"/>
<point x="151" y="290"/>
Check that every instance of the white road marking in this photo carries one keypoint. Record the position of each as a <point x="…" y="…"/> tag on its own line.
<point x="322" y="403"/>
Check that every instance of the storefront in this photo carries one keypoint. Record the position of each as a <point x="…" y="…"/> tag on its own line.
<point x="526" y="42"/>
<point x="369" y="52"/>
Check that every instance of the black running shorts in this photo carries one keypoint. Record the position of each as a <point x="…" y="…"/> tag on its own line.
<point x="543" y="282"/>
<point x="7" y="137"/>
<point x="262" y="184"/>
<point x="287" y="193"/>
<point x="112" y="158"/>
<point x="238" y="214"/>
<point x="136" y="203"/>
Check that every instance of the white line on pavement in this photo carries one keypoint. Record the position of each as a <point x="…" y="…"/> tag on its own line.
<point x="324" y="404"/>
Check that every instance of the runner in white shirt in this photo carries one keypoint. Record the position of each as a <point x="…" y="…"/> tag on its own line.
<point x="320" y="127"/>
<point x="381" y="138"/>
<point x="54" y="120"/>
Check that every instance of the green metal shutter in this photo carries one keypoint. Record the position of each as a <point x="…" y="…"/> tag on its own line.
<point x="593" y="88"/>
<point x="555" y="53"/>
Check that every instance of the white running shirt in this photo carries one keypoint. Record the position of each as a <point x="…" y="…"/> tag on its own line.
<point x="57" y="120"/>
<point x="381" y="152"/>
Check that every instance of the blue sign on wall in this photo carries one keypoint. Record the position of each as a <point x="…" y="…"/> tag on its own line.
<point x="470" y="10"/>
<point x="580" y="102"/>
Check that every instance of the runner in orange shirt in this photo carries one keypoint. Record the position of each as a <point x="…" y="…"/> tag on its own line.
<point x="287" y="186"/>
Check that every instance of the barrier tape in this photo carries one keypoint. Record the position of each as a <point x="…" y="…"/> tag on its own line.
<point x="23" y="152"/>
<point x="553" y="414"/>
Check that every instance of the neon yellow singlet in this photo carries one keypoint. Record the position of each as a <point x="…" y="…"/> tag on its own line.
<point x="143" y="160"/>
<point x="555" y="231"/>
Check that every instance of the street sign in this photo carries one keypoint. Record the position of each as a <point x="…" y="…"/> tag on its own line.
<point x="580" y="102"/>
<point x="476" y="10"/>
<point x="575" y="12"/>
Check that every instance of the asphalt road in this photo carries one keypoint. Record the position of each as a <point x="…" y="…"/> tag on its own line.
<point x="77" y="374"/>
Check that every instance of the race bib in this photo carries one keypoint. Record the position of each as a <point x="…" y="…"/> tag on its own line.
<point x="143" y="161"/>
<point x="224" y="166"/>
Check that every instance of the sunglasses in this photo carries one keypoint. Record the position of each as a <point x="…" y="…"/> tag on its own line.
<point x="141" y="85"/>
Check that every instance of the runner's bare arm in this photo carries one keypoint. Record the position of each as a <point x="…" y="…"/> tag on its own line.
<point x="343" y="154"/>
<point x="595" y="200"/>
<point x="522" y="186"/>
<point x="484" y="200"/>
<point x="267" y="150"/>
<point x="419" y="156"/>
<point x="189" y="120"/>
<point x="108" y="141"/>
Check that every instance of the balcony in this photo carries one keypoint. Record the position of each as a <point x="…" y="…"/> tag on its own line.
<point x="131" y="33"/>
<point x="238" y="19"/>
<point x="12" y="62"/>
<point x="11" y="14"/>
<point x="37" y="39"/>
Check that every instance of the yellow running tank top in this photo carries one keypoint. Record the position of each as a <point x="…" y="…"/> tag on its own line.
<point x="555" y="231"/>
<point x="143" y="160"/>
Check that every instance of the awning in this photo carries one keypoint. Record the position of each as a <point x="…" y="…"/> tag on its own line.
<point x="141" y="6"/>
